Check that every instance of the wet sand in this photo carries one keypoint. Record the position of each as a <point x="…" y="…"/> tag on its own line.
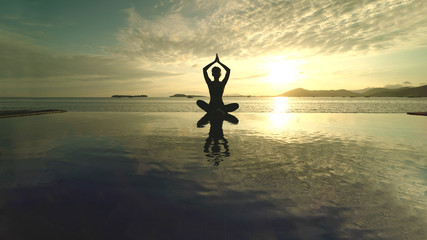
<point x="154" y="176"/>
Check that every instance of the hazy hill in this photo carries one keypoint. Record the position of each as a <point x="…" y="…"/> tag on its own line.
<point x="301" y="92"/>
<point x="382" y="91"/>
<point x="400" y="92"/>
<point x="374" y="92"/>
<point x="361" y="91"/>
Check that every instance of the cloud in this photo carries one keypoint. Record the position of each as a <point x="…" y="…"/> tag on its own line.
<point x="37" y="24"/>
<point x="404" y="84"/>
<point x="23" y="61"/>
<point x="11" y="16"/>
<point x="251" y="76"/>
<point x="393" y="86"/>
<point x="251" y="28"/>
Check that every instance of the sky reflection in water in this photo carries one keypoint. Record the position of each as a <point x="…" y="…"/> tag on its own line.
<point x="141" y="175"/>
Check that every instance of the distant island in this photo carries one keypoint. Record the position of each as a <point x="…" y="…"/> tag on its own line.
<point x="185" y="95"/>
<point x="128" y="96"/>
<point x="373" y="92"/>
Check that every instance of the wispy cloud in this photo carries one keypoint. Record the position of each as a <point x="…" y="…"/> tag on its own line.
<point x="21" y="61"/>
<point x="32" y="23"/>
<point x="251" y="76"/>
<point x="37" y="24"/>
<point x="199" y="28"/>
<point x="404" y="84"/>
<point x="11" y="16"/>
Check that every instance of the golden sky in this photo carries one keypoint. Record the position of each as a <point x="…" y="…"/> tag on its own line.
<point x="158" y="48"/>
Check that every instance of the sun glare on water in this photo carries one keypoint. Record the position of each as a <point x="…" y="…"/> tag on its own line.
<point x="279" y="117"/>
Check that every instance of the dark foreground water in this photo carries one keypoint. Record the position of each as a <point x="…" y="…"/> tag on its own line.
<point x="157" y="176"/>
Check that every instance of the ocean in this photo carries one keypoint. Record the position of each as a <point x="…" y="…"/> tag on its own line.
<point x="159" y="168"/>
<point x="251" y="104"/>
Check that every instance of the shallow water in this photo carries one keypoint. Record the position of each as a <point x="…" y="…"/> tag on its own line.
<point x="80" y="175"/>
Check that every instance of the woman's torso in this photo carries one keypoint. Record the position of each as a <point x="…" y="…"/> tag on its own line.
<point x="216" y="90"/>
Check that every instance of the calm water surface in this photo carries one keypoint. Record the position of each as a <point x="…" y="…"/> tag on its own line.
<point x="253" y="104"/>
<point x="123" y="175"/>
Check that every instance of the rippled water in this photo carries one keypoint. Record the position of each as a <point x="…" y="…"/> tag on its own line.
<point x="156" y="176"/>
<point x="254" y="104"/>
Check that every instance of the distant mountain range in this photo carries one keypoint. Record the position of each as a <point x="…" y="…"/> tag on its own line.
<point x="373" y="92"/>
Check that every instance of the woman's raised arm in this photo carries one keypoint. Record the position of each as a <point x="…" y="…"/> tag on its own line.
<point x="205" y="71"/>
<point x="227" y="72"/>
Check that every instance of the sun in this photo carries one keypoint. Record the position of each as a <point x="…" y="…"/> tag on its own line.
<point x="282" y="72"/>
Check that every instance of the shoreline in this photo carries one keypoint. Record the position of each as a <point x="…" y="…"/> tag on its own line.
<point x="23" y="113"/>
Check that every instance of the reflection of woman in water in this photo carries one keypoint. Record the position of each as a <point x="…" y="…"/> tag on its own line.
<point x="216" y="90"/>
<point x="216" y="146"/>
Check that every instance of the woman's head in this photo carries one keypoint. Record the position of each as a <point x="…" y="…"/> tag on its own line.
<point x="216" y="72"/>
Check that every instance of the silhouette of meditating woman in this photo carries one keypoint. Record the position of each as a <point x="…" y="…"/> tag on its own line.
<point x="216" y="90"/>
